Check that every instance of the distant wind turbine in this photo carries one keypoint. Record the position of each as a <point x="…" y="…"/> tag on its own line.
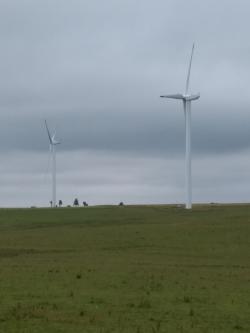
<point x="52" y="143"/>
<point x="187" y="98"/>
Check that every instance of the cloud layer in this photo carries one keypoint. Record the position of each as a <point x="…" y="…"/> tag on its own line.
<point x="96" y="71"/>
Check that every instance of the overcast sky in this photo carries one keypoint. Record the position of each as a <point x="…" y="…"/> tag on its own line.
<point x="95" y="71"/>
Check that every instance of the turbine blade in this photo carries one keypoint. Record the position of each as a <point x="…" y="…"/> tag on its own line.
<point x="50" y="139"/>
<point x="174" y="96"/>
<point x="189" y="71"/>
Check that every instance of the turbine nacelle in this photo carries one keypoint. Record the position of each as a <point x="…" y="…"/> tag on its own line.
<point x="193" y="97"/>
<point x="54" y="141"/>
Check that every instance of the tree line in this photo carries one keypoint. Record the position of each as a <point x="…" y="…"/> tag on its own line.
<point x="75" y="203"/>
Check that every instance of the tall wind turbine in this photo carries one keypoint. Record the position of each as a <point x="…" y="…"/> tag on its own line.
<point x="52" y="143"/>
<point x="187" y="99"/>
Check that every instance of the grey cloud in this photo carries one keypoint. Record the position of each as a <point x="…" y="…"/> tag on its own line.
<point x="157" y="132"/>
<point x="108" y="178"/>
<point x="96" y="69"/>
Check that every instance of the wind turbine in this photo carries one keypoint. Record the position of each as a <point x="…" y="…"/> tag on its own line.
<point x="52" y="144"/>
<point x="187" y="99"/>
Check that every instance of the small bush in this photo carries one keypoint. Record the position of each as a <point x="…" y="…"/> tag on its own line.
<point x="186" y="299"/>
<point x="191" y="313"/>
<point x="238" y="327"/>
<point x="144" y="304"/>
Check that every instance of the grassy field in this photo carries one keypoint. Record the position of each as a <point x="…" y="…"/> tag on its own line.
<point x="134" y="269"/>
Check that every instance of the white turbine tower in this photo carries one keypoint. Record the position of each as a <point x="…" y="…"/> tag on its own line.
<point x="187" y="98"/>
<point x="52" y="143"/>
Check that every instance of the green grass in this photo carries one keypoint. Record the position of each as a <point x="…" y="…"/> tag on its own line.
<point x="125" y="269"/>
